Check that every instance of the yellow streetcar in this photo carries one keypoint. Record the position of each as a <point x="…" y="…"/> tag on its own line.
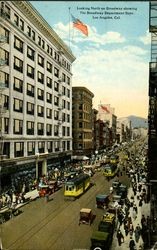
<point x="110" y="170"/>
<point x="114" y="159"/>
<point x="76" y="186"/>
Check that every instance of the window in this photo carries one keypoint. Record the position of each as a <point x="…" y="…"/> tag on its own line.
<point x="56" y="56"/>
<point x="80" y="115"/>
<point x="28" y="31"/>
<point x="18" y="44"/>
<point x="30" y="71"/>
<point x="30" y="53"/>
<point x="56" y="146"/>
<point x="49" y="146"/>
<point x="80" y="125"/>
<point x="18" y="105"/>
<point x="49" y="97"/>
<point x="68" y="93"/>
<point x="68" y="80"/>
<point x="39" y="40"/>
<point x="56" y="86"/>
<point x="63" y="131"/>
<point x="40" y="77"/>
<point x="6" y="57"/>
<point x="40" y="111"/>
<point x="68" y="118"/>
<point x="56" y="130"/>
<point x="63" y="90"/>
<point x="63" y="77"/>
<point x="30" y="148"/>
<point x="68" y="105"/>
<point x="40" y="128"/>
<point x="18" y="64"/>
<point x="18" y="149"/>
<point x="56" y="72"/>
<point x="6" y="125"/>
<point x="18" y="127"/>
<point x="48" y="129"/>
<point x="49" y="67"/>
<point x="16" y="20"/>
<point x="7" y="11"/>
<point x="41" y="61"/>
<point x="33" y="35"/>
<point x="80" y="106"/>
<point x="63" y="104"/>
<point x="21" y="25"/>
<point x="30" y="128"/>
<point x="5" y="79"/>
<point x="6" y="34"/>
<point x="41" y="147"/>
<point x="49" y="113"/>
<point x="18" y="85"/>
<point x="51" y="51"/>
<point x="68" y="145"/>
<point x="56" y="115"/>
<point x="56" y="101"/>
<point x="40" y="94"/>
<point x="30" y="108"/>
<point x="63" y="117"/>
<point x="30" y="90"/>
<point x="48" y="48"/>
<point x="5" y="101"/>
<point x="43" y="44"/>
<point x="49" y="82"/>
<point x="68" y="131"/>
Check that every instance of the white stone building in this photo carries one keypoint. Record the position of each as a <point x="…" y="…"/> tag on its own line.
<point x="36" y="69"/>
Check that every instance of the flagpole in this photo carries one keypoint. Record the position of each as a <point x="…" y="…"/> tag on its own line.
<point x="69" y="29"/>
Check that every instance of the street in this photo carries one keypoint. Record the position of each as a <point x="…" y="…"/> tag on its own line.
<point x="54" y="225"/>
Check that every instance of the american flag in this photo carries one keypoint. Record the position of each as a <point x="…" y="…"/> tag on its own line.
<point x="79" y="25"/>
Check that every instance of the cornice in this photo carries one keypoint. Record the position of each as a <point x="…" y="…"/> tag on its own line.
<point x="34" y="16"/>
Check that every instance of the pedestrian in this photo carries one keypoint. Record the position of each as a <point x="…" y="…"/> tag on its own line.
<point x="132" y="245"/>
<point x="135" y="208"/>
<point x="131" y="229"/>
<point x="140" y="201"/>
<point x="126" y="229"/>
<point x="143" y="220"/>
<point x="120" y="237"/>
<point x="137" y="233"/>
<point x="47" y="197"/>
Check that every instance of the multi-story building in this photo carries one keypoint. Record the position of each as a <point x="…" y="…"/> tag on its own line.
<point x="82" y="127"/>
<point x="106" y="113"/>
<point x="102" y="135"/>
<point x="36" y="71"/>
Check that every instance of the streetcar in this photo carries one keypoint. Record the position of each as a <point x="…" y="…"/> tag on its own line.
<point x="110" y="170"/>
<point x="76" y="186"/>
<point x="114" y="159"/>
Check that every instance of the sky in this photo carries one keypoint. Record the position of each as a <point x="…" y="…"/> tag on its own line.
<point x="113" y="60"/>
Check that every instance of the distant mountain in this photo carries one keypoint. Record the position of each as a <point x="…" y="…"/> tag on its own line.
<point x="136" y="121"/>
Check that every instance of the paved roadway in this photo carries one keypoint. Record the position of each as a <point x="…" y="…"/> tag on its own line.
<point x="54" y="225"/>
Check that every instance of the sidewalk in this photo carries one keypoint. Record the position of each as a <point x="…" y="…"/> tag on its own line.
<point x="29" y="196"/>
<point x="145" y="209"/>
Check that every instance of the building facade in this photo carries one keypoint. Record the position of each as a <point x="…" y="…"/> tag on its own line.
<point x="36" y="127"/>
<point x="82" y="123"/>
<point x="106" y="113"/>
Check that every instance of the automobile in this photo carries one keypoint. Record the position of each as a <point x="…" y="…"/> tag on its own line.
<point x="100" y="241"/>
<point x="122" y="191"/>
<point x="116" y="184"/>
<point x="86" y="216"/>
<point x="102" y="201"/>
<point x="105" y="226"/>
<point x="109" y="217"/>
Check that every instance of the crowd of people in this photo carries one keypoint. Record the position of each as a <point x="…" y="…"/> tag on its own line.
<point x="133" y="225"/>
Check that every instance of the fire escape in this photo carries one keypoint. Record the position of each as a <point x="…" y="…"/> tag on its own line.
<point x="152" y="122"/>
<point x="3" y="63"/>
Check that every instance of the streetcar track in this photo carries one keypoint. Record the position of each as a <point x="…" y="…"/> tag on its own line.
<point x="30" y="233"/>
